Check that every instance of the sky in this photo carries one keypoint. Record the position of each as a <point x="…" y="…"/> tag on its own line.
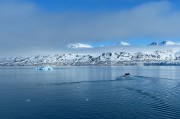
<point x="36" y="26"/>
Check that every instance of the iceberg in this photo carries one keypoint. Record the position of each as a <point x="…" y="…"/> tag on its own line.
<point x="45" y="68"/>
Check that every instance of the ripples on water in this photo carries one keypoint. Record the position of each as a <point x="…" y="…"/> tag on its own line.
<point x="90" y="93"/>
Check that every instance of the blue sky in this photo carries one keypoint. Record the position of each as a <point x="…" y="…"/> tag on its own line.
<point x="42" y="25"/>
<point x="103" y="6"/>
<point x="91" y="5"/>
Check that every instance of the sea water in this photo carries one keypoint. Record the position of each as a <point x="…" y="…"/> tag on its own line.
<point x="90" y="92"/>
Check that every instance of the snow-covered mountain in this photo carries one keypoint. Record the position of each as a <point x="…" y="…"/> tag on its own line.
<point x="123" y="43"/>
<point x="167" y="43"/>
<point x="79" y="45"/>
<point x="125" y="55"/>
<point x="154" y="43"/>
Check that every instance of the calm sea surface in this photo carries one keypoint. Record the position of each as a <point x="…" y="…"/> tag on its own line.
<point x="90" y="93"/>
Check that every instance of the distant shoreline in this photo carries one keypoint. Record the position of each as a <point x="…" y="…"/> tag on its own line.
<point x="125" y="64"/>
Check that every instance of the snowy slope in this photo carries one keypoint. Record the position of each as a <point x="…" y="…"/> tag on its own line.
<point x="79" y="45"/>
<point x="123" y="43"/>
<point x="167" y="43"/>
<point x="124" y="55"/>
<point x="154" y="43"/>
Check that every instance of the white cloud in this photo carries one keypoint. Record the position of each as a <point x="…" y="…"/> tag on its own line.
<point x="24" y="27"/>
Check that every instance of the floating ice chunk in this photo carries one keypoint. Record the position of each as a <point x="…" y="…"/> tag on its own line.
<point x="28" y="100"/>
<point x="44" y="68"/>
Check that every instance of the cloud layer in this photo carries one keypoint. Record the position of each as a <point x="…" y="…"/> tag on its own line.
<point x="27" y="29"/>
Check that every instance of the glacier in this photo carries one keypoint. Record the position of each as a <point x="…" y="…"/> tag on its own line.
<point x="117" y="55"/>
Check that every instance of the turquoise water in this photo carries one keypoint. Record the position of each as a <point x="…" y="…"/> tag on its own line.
<point x="90" y="93"/>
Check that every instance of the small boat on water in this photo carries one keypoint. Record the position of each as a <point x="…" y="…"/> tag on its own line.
<point x="127" y="74"/>
<point x="44" y="68"/>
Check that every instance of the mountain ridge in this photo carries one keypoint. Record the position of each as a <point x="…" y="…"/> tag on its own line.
<point x="125" y="55"/>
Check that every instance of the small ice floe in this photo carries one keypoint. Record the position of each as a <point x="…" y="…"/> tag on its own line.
<point x="45" y="68"/>
<point x="28" y="100"/>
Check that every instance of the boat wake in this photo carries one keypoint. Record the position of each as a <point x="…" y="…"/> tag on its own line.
<point x="119" y="78"/>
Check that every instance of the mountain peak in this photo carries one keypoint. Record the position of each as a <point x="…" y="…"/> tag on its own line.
<point x="79" y="45"/>
<point x="167" y="42"/>
<point x="123" y="43"/>
<point x="154" y="43"/>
